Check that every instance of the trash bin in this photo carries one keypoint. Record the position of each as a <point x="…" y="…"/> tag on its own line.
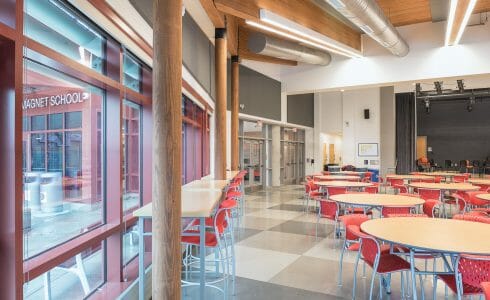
<point x="32" y="181"/>
<point x="51" y="192"/>
<point x="374" y="175"/>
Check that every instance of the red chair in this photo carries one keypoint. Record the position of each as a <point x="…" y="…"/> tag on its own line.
<point x="394" y="181"/>
<point x="333" y="190"/>
<point x="457" y="200"/>
<point x="313" y="191"/>
<point x="486" y="289"/>
<point x="381" y="263"/>
<point x="386" y="210"/>
<point x="438" y="179"/>
<point x="329" y="210"/>
<point x="325" y="173"/>
<point x="367" y="177"/>
<point x="459" y="178"/>
<point x="427" y="194"/>
<point x="400" y="188"/>
<point x="372" y="189"/>
<point x="429" y="207"/>
<point x="472" y="271"/>
<point x="474" y="202"/>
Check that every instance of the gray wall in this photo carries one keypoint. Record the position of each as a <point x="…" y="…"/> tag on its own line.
<point x="197" y="50"/>
<point x="260" y="94"/>
<point x="301" y="109"/>
<point x="387" y="129"/>
<point x="453" y="132"/>
<point x="198" y="54"/>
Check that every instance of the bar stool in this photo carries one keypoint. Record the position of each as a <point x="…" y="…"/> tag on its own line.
<point x="216" y="239"/>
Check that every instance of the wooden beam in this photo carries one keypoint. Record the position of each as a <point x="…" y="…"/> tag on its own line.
<point x="235" y="102"/>
<point x="216" y="17"/>
<point x="303" y="12"/>
<point x="232" y="34"/>
<point x="245" y="53"/>
<point x="482" y="6"/>
<point x="461" y="8"/>
<point x="167" y="148"/>
<point x="220" y="105"/>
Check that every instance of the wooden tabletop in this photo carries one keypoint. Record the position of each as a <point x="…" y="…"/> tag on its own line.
<point x="408" y="176"/>
<point x="443" y="174"/>
<point x="445" y="186"/>
<point x="435" y="234"/>
<point x="195" y="204"/>
<point x="479" y="181"/>
<point x="483" y="197"/>
<point x="206" y="184"/>
<point x="377" y="200"/>
<point x="340" y="183"/>
<point x="337" y="177"/>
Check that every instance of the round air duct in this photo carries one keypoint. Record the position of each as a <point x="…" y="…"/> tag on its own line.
<point x="262" y="44"/>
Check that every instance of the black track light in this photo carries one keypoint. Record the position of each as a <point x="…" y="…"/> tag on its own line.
<point x="427" y="106"/>
<point x="469" y="107"/>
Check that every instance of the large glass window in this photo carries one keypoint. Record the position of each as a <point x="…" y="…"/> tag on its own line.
<point x="132" y="73"/>
<point x="56" y="25"/>
<point x="194" y="159"/>
<point x="131" y="128"/>
<point x="62" y="157"/>
<point x="75" y="278"/>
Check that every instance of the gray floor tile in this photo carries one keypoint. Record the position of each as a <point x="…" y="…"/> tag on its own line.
<point x="305" y="228"/>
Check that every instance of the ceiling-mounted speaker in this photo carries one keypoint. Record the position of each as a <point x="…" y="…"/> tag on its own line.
<point x="366" y="114"/>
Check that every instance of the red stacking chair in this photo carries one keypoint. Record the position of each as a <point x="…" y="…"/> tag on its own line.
<point x="329" y="210"/>
<point x="394" y="181"/>
<point x="459" y="178"/>
<point x="429" y="207"/>
<point x="472" y="271"/>
<point x="372" y="189"/>
<point x="486" y="289"/>
<point x="351" y="241"/>
<point x="473" y="202"/>
<point x="381" y="263"/>
<point x="427" y="194"/>
<point x="386" y="210"/>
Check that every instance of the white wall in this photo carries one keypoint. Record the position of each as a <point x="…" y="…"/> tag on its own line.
<point x="356" y="129"/>
<point x="327" y="121"/>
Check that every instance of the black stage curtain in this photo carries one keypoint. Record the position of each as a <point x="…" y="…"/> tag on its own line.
<point x="405" y="133"/>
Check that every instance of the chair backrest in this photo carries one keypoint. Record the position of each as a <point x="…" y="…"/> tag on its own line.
<point x="219" y="220"/>
<point x="369" y="246"/>
<point x="394" y="181"/>
<point x="385" y="211"/>
<point x="429" y="194"/>
<point x="438" y="179"/>
<point x="353" y="219"/>
<point x="474" y="269"/>
<point x="334" y="190"/>
<point x="470" y="198"/>
<point x="429" y="207"/>
<point x="459" y="178"/>
<point x="328" y="209"/>
<point x="371" y="189"/>
<point x="401" y="188"/>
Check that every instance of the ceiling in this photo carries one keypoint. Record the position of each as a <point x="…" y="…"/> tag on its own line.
<point x="313" y="14"/>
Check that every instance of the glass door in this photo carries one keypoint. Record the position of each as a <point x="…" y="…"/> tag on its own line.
<point x="253" y="161"/>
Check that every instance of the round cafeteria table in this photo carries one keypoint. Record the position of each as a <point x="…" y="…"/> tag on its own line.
<point x="479" y="181"/>
<point x="446" y="236"/>
<point x="485" y="197"/>
<point x="337" y="177"/>
<point x="408" y="176"/>
<point x="343" y="183"/>
<point x="377" y="200"/>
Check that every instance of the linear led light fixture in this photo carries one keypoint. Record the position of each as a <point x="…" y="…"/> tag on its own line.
<point x="450" y="21"/>
<point x="301" y="34"/>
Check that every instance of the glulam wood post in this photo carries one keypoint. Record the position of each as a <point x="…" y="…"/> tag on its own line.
<point x="235" y="102"/>
<point x="220" y="109"/>
<point x="167" y="144"/>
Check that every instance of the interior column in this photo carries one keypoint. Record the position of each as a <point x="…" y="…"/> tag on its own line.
<point x="167" y="144"/>
<point x="235" y="103"/>
<point x="220" y="106"/>
<point x="276" y="155"/>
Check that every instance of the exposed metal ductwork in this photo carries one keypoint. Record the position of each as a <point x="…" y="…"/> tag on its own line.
<point x="369" y="17"/>
<point x="261" y="44"/>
